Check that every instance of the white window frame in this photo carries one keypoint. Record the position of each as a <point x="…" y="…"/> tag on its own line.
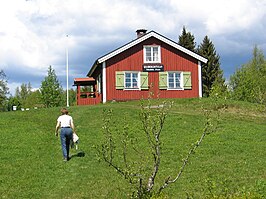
<point x="145" y="54"/>
<point x="99" y="83"/>
<point x="181" y="81"/>
<point x="138" y="80"/>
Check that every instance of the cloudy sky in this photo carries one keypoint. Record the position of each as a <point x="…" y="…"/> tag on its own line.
<point x="33" y="32"/>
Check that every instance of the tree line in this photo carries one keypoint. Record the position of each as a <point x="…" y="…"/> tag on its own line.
<point x="248" y="83"/>
<point x="50" y="93"/>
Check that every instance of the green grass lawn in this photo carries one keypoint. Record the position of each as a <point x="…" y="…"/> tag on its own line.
<point x="230" y="162"/>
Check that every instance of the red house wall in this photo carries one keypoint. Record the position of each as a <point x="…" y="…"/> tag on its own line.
<point x="132" y="60"/>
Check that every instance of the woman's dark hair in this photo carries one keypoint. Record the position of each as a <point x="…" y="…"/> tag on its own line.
<point x="64" y="111"/>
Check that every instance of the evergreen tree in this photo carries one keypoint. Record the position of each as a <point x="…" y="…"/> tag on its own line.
<point x="4" y="90"/>
<point x="211" y="71"/>
<point x="51" y="90"/>
<point x="186" y="40"/>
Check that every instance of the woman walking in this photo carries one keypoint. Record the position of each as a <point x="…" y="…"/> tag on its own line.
<point x="66" y="126"/>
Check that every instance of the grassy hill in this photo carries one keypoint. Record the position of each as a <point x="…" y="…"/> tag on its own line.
<point x="230" y="162"/>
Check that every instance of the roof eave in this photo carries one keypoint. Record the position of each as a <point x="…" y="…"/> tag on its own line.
<point x="124" y="47"/>
<point x="139" y="40"/>
<point x="94" y="66"/>
<point x="181" y="48"/>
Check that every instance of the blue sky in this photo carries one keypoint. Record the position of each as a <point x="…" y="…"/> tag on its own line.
<point x="33" y="32"/>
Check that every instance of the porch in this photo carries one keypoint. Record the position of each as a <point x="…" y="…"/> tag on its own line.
<point x="87" y="91"/>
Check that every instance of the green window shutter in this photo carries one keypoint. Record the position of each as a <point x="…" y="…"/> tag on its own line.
<point x="119" y="80"/>
<point x="144" y="81"/>
<point x="163" y="80"/>
<point x="187" y="80"/>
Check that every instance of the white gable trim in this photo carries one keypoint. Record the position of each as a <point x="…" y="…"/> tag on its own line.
<point x="104" y="82"/>
<point x="200" y="79"/>
<point x="123" y="48"/>
<point x="146" y="36"/>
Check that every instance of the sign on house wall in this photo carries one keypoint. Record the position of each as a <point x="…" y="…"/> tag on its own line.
<point x="153" y="68"/>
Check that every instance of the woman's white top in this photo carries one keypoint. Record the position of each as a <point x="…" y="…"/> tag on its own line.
<point x="65" y="120"/>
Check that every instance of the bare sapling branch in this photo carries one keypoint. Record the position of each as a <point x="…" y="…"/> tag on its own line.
<point x="140" y="166"/>
<point x="107" y="150"/>
<point x="153" y="125"/>
<point x="209" y="127"/>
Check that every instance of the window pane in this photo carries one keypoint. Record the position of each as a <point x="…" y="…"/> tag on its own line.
<point x="131" y="80"/>
<point x="171" y="80"/>
<point x="148" y="54"/>
<point x="128" y="83"/>
<point x="135" y="85"/>
<point x="128" y="80"/>
<point x="128" y="75"/>
<point x="155" y="54"/>
<point x="171" y="75"/>
<point x="171" y="85"/>
<point x="174" y="79"/>
<point x="135" y="80"/>
<point x="177" y="80"/>
<point x="152" y="54"/>
<point x="135" y="75"/>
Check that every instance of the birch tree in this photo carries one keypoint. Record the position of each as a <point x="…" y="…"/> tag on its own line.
<point x="4" y="90"/>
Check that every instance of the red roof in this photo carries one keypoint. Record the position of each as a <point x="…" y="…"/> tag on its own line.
<point x="85" y="79"/>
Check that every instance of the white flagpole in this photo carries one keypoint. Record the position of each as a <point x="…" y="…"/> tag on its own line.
<point x="67" y="72"/>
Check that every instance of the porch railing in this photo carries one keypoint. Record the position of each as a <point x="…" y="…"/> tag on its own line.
<point x="88" y="98"/>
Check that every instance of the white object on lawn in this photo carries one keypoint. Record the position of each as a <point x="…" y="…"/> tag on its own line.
<point x="75" y="138"/>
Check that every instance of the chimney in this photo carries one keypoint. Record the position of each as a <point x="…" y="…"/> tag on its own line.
<point x="141" y="32"/>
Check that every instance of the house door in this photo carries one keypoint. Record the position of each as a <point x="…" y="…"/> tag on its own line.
<point x="154" y="84"/>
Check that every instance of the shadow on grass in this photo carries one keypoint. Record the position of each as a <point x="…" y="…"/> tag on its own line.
<point x="80" y="154"/>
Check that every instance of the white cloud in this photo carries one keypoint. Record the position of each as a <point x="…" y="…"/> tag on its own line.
<point x="220" y="17"/>
<point x="12" y="87"/>
<point x="235" y="16"/>
<point x="33" y="33"/>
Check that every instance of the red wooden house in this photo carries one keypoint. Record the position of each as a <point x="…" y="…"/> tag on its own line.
<point x="150" y="63"/>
